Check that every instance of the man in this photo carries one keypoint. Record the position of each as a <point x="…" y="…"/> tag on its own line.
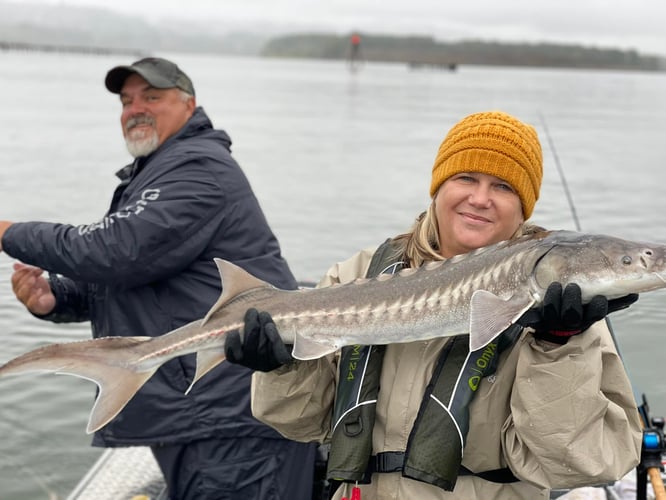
<point x="147" y="268"/>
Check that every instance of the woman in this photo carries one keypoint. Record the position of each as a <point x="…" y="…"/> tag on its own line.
<point x="554" y="408"/>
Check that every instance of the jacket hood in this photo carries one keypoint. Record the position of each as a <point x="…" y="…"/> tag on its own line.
<point x="197" y="123"/>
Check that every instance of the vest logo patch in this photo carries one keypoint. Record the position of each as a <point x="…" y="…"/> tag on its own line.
<point x="353" y="361"/>
<point x="481" y="364"/>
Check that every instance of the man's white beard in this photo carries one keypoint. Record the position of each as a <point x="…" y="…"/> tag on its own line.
<point x="142" y="145"/>
<point x="141" y="142"/>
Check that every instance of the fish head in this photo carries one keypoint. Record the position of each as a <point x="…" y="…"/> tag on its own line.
<point x="603" y="265"/>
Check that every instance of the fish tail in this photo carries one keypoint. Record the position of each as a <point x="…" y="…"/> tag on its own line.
<point x="113" y="363"/>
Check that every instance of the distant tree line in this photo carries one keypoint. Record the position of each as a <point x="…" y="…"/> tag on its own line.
<point x="420" y="50"/>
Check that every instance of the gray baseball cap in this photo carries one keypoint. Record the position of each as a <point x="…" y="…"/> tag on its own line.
<point x="158" y="72"/>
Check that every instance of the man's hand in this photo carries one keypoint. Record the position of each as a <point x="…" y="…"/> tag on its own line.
<point x="32" y="289"/>
<point x="563" y="314"/>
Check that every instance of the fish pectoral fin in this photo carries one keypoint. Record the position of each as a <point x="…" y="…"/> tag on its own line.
<point x="491" y="315"/>
<point x="206" y="360"/>
<point x="306" y="348"/>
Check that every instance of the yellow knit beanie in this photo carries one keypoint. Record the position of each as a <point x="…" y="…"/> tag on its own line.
<point x="493" y="143"/>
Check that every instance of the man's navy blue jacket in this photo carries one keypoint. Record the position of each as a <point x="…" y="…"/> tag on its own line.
<point x="147" y="268"/>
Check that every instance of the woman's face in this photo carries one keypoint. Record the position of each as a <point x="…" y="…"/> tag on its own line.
<point x="475" y="210"/>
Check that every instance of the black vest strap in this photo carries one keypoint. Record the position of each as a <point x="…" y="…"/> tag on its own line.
<point x="387" y="461"/>
<point x="494" y="476"/>
<point x="391" y="461"/>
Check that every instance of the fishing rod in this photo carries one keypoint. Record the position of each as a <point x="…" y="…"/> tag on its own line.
<point x="653" y="445"/>
<point x="560" y="170"/>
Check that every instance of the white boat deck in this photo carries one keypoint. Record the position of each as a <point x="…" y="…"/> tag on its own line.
<point x="122" y="474"/>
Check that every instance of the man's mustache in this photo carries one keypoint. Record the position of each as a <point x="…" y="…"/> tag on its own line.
<point x="139" y="120"/>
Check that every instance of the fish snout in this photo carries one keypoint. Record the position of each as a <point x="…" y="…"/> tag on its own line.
<point x="652" y="259"/>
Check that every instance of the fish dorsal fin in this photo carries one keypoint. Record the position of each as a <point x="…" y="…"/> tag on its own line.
<point x="235" y="280"/>
<point x="490" y="315"/>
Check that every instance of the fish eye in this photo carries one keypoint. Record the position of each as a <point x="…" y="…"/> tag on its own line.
<point x="626" y="260"/>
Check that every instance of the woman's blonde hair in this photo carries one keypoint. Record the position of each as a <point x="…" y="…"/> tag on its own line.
<point x="421" y="243"/>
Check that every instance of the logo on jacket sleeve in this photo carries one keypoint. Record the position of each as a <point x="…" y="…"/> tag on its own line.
<point x="130" y="210"/>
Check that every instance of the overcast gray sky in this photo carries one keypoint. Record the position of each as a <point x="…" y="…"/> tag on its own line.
<point x="637" y="24"/>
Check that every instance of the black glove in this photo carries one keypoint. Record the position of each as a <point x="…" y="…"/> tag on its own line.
<point x="261" y="347"/>
<point x="563" y="314"/>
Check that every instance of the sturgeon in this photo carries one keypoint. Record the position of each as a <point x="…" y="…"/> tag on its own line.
<point x="481" y="293"/>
